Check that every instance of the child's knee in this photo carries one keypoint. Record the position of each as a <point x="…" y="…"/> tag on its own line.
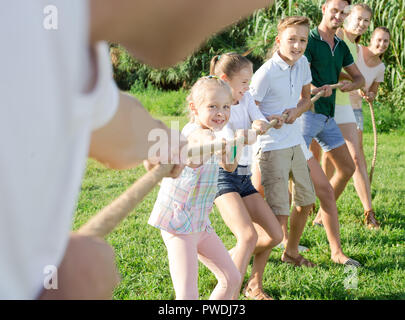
<point x="305" y="209"/>
<point x="248" y="237"/>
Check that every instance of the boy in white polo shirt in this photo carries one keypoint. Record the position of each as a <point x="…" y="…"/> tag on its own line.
<point x="282" y="85"/>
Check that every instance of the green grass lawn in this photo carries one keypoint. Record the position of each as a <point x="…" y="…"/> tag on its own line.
<point x="143" y="265"/>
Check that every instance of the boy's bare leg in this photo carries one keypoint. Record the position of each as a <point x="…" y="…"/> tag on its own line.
<point x="298" y="219"/>
<point x="283" y="220"/>
<point x="327" y="214"/>
<point x="345" y="168"/>
<point x="87" y="271"/>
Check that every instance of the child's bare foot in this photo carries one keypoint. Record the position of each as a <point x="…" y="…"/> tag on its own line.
<point x="255" y="293"/>
<point x="296" y="260"/>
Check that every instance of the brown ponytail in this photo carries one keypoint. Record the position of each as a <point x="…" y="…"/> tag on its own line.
<point x="229" y="64"/>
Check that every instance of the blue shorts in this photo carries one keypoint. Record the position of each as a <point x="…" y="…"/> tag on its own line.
<point x="237" y="181"/>
<point x="358" y="113"/>
<point x="321" y="128"/>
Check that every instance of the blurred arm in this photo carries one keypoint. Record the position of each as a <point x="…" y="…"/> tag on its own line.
<point x="162" y="32"/>
<point x="124" y="141"/>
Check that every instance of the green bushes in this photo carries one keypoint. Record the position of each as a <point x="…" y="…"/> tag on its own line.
<point x="159" y="102"/>
<point x="386" y="120"/>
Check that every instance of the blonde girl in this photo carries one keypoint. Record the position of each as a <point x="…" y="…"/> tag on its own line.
<point x="183" y="204"/>
<point x="243" y="210"/>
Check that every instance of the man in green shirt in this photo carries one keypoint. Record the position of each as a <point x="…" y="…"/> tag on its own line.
<point x="327" y="55"/>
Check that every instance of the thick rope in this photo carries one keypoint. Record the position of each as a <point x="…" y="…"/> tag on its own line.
<point x="370" y="104"/>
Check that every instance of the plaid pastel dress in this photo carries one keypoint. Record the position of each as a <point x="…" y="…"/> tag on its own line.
<point x="184" y="203"/>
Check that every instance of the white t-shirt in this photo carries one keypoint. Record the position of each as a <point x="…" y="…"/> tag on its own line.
<point x="370" y="75"/>
<point x="277" y="86"/>
<point x="242" y="116"/>
<point x="45" y="126"/>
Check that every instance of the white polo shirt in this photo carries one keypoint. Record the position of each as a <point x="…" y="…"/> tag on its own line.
<point x="242" y="116"/>
<point x="277" y="86"/>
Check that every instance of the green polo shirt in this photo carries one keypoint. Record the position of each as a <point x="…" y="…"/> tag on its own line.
<point x="326" y="65"/>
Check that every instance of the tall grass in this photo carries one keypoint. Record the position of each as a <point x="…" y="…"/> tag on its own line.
<point x="256" y="35"/>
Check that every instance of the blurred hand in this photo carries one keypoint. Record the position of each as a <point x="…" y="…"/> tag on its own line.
<point x="326" y="88"/>
<point x="279" y="119"/>
<point x="369" y="96"/>
<point x="249" y="136"/>
<point x="347" y="86"/>
<point x="292" y="115"/>
<point x="260" y="125"/>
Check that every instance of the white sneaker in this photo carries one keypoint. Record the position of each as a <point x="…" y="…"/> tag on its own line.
<point x="300" y="248"/>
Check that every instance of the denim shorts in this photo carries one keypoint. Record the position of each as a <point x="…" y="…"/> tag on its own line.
<point x="237" y="181"/>
<point x="321" y="128"/>
<point x="358" y="113"/>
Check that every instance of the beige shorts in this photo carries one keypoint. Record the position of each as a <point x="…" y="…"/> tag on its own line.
<point x="277" y="167"/>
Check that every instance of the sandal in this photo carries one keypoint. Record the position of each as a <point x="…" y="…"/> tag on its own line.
<point x="370" y="221"/>
<point x="256" y="294"/>
<point x="298" y="261"/>
<point x="300" y="247"/>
